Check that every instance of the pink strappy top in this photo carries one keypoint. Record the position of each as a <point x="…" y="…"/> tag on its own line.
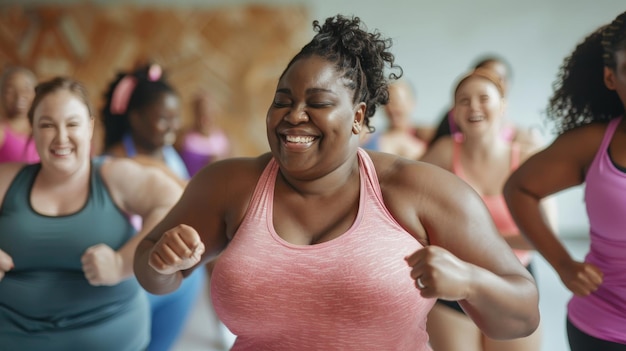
<point x="17" y="147"/>
<point x="350" y="293"/>
<point x="495" y="203"/>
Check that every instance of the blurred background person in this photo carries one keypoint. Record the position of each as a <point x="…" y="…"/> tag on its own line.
<point x="483" y="159"/>
<point x="400" y="136"/>
<point x="141" y="121"/>
<point x="17" y="90"/>
<point x="204" y="142"/>
<point x="502" y="68"/>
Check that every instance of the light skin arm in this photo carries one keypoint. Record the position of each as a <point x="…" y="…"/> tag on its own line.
<point x="465" y="259"/>
<point x="561" y="165"/>
<point x="139" y="190"/>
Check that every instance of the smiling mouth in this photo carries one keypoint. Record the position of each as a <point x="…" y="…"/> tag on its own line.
<point x="476" y="118"/>
<point x="62" y="152"/>
<point x="298" y="139"/>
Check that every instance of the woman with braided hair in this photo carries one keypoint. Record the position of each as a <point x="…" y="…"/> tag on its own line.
<point x="326" y="246"/>
<point x="141" y="119"/>
<point x="588" y="106"/>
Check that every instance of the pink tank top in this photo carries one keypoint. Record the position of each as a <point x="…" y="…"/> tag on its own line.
<point x="17" y="148"/>
<point x="495" y="203"/>
<point x="603" y="313"/>
<point x="350" y="293"/>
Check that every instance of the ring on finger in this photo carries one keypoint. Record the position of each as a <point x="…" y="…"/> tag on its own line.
<point x="419" y="283"/>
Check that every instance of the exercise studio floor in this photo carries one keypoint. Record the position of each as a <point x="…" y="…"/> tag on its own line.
<point x="203" y="333"/>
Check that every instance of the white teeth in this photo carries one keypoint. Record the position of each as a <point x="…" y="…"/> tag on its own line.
<point x="475" y="119"/>
<point x="299" y="139"/>
<point x="62" y="152"/>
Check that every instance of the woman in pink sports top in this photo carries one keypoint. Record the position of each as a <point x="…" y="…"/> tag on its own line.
<point x="588" y="107"/>
<point x="482" y="158"/>
<point x="17" y="91"/>
<point x="325" y="246"/>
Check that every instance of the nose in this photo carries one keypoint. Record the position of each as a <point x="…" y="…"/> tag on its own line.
<point x="62" y="134"/>
<point x="474" y="104"/>
<point x="297" y="115"/>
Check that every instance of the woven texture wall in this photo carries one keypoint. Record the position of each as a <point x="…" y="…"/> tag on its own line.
<point x="235" y="53"/>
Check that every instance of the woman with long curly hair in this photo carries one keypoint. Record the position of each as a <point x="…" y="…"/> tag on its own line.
<point x="588" y="107"/>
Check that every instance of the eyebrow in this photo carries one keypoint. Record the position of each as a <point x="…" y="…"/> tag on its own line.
<point x="71" y="117"/>
<point x="308" y="91"/>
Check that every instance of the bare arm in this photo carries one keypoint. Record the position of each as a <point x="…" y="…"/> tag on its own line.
<point x="137" y="190"/>
<point x="467" y="260"/>
<point x="560" y="166"/>
<point x="199" y="226"/>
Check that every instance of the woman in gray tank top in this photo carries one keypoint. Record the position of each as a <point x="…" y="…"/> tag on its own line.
<point x="66" y="244"/>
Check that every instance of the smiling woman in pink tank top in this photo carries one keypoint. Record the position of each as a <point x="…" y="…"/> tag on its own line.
<point x="588" y="109"/>
<point x="483" y="158"/>
<point x="324" y="246"/>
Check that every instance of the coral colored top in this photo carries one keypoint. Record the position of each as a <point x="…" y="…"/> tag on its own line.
<point x="17" y="147"/>
<point x="354" y="292"/>
<point x="603" y="313"/>
<point x="495" y="203"/>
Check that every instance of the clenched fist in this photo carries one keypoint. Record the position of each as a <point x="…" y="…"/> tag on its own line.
<point x="6" y="263"/>
<point x="179" y="248"/>
<point x="102" y="265"/>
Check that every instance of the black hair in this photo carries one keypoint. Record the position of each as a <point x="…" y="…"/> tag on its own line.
<point x="146" y="91"/>
<point x="359" y="54"/>
<point x="580" y="95"/>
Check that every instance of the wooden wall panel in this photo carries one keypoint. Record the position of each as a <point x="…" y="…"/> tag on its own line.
<point x="235" y="52"/>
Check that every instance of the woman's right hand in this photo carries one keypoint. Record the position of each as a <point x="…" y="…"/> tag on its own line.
<point x="6" y="263"/>
<point x="581" y="278"/>
<point x="179" y="248"/>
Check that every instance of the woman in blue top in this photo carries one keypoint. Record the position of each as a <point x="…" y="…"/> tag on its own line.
<point x="66" y="245"/>
<point x="141" y="120"/>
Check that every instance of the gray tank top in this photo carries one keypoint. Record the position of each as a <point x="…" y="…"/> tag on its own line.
<point x="45" y="301"/>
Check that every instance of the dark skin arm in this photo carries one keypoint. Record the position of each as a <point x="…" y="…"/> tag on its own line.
<point x="200" y="224"/>
<point x="561" y="165"/>
<point x="460" y="260"/>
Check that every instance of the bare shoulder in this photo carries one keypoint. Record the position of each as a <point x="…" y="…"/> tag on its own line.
<point x="413" y="190"/>
<point x="581" y="142"/>
<point x="8" y="171"/>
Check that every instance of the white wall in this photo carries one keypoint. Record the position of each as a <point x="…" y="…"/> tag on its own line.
<point x="435" y="41"/>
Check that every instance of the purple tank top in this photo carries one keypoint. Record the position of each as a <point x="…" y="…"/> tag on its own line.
<point x="603" y="313"/>
<point x="17" y="148"/>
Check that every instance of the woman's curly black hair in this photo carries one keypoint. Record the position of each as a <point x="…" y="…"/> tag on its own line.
<point x="146" y="91"/>
<point x="580" y="95"/>
<point x="361" y="55"/>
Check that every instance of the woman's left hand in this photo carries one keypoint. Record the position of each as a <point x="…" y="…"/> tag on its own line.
<point x="102" y="265"/>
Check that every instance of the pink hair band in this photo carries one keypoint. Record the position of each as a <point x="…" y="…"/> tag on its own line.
<point x="121" y="95"/>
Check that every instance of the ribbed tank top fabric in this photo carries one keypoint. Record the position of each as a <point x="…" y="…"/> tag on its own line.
<point x="603" y="313"/>
<point x="350" y="293"/>
<point x="495" y="203"/>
